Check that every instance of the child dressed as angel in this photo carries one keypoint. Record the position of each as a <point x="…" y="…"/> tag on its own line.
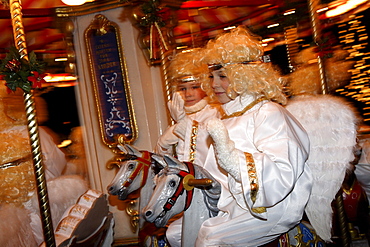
<point x="259" y="148"/>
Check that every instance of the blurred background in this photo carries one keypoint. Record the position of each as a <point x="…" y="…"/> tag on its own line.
<point x="285" y="28"/>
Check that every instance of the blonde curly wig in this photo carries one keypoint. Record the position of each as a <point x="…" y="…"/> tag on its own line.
<point x="306" y="78"/>
<point x="240" y="53"/>
<point x="186" y="66"/>
<point x="16" y="167"/>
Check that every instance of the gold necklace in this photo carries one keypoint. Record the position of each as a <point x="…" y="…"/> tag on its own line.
<point x="239" y="113"/>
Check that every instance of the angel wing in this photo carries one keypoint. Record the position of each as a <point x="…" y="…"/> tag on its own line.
<point x="331" y="126"/>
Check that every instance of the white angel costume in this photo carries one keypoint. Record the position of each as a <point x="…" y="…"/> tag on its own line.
<point x="191" y="146"/>
<point x="331" y="124"/>
<point x="261" y="152"/>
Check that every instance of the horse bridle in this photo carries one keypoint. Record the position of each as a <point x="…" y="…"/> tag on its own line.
<point x="144" y="163"/>
<point x="180" y="189"/>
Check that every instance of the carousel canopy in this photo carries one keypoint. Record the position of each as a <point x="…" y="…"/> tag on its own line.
<point x="178" y="24"/>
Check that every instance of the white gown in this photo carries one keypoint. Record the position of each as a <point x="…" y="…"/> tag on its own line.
<point x="200" y="113"/>
<point x="201" y="140"/>
<point x="279" y="146"/>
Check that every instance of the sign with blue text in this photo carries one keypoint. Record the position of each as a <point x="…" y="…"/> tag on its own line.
<point x="109" y="76"/>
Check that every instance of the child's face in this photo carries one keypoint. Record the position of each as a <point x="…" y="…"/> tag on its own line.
<point x="220" y="82"/>
<point x="191" y="92"/>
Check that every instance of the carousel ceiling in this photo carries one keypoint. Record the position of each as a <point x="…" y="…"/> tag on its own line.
<point x="184" y="23"/>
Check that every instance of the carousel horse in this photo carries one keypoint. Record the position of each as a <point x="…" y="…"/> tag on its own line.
<point x="331" y="124"/>
<point x="183" y="187"/>
<point x="135" y="179"/>
<point x="136" y="173"/>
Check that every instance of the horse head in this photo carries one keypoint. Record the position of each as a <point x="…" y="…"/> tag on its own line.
<point x="174" y="190"/>
<point x="135" y="166"/>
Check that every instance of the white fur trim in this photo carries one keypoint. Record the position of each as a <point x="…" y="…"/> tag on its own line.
<point x="63" y="192"/>
<point x="226" y="153"/>
<point x="196" y="107"/>
<point x="15" y="229"/>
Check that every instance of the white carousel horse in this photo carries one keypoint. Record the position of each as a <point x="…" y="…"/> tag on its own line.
<point x="331" y="125"/>
<point x="135" y="179"/>
<point x="183" y="186"/>
<point x="137" y="171"/>
<point x="136" y="174"/>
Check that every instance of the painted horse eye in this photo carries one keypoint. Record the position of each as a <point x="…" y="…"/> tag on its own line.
<point x="131" y="166"/>
<point x="172" y="183"/>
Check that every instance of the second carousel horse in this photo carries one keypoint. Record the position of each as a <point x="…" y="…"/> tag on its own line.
<point x="183" y="186"/>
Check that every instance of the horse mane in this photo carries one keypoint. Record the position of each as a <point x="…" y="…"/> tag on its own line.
<point x="155" y="166"/>
<point x="211" y="193"/>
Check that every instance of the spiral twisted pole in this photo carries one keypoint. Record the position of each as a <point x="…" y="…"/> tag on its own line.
<point x="316" y="31"/>
<point x="20" y="43"/>
<point x="165" y="62"/>
<point x="342" y="221"/>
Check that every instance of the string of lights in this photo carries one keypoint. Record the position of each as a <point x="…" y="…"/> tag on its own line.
<point x="353" y="35"/>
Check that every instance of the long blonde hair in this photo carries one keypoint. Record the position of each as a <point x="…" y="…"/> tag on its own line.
<point x="240" y="53"/>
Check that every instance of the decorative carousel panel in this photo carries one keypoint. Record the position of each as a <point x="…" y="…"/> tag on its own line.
<point x="110" y="80"/>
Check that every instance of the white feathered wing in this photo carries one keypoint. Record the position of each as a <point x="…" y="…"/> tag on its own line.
<point x="331" y="126"/>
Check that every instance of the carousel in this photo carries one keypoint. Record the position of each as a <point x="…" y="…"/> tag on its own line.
<point x="86" y="95"/>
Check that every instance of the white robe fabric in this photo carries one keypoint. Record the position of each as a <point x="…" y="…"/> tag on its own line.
<point x="200" y="113"/>
<point x="54" y="159"/>
<point x="279" y="146"/>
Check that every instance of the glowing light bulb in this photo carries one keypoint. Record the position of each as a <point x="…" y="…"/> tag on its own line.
<point x="345" y="7"/>
<point x="74" y="2"/>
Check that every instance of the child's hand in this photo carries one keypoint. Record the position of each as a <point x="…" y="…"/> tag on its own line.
<point x="176" y="107"/>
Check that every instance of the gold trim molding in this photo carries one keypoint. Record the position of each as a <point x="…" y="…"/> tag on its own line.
<point x="110" y="80"/>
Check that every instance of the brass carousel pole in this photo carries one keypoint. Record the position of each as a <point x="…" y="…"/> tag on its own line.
<point x="20" y="44"/>
<point x="165" y="61"/>
<point x="315" y="23"/>
<point x="317" y="36"/>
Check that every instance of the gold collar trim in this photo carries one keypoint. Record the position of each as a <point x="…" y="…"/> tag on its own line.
<point x="239" y="113"/>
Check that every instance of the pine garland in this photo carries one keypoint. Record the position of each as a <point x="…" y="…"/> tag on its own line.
<point x="21" y="73"/>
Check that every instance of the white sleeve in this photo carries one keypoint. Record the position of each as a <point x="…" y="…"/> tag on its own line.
<point x="166" y="141"/>
<point x="270" y="170"/>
